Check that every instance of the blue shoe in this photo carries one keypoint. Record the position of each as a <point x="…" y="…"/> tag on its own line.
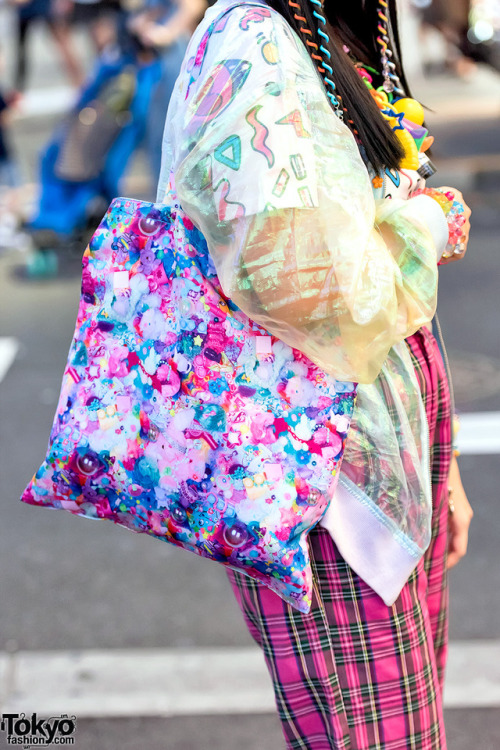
<point x="42" y="264"/>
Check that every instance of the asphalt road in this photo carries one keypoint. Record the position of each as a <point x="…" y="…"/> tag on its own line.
<point x="67" y="583"/>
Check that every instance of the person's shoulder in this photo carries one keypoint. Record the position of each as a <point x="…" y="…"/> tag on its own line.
<point x="260" y="20"/>
<point x="243" y="23"/>
<point x="251" y="31"/>
<point x="254" y="16"/>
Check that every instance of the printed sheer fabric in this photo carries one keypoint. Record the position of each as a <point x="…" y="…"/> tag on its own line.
<point x="387" y="452"/>
<point x="255" y="156"/>
<point x="276" y="184"/>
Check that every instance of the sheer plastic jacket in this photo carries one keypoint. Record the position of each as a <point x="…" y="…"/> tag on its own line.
<point x="257" y="159"/>
<point x="276" y="184"/>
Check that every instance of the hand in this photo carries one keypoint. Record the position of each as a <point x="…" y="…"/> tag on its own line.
<point x="62" y="9"/>
<point x="466" y="228"/>
<point x="155" y="34"/>
<point x="459" y="520"/>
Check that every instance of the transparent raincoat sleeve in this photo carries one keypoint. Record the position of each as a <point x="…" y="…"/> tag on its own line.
<point x="275" y="182"/>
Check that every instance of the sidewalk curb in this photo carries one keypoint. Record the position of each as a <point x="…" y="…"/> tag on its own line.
<point x="117" y="683"/>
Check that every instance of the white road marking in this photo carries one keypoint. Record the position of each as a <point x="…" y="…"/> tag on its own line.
<point x="140" y="682"/>
<point x="473" y="674"/>
<point x="201" y="681"/>
<point x="9" y="347"/>
<point x="479" y="433"/>
<point x="46" y="101"/>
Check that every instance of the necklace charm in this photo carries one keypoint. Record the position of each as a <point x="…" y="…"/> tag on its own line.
<point x="392" y="84"/>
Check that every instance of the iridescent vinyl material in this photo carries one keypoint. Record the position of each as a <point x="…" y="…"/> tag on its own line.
<point x="276" y="184"/>
<point x="256" y="157"/>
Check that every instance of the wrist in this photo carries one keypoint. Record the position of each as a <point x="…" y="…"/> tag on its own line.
<point x="455" y="429"/>
<point x="455" y="217"/>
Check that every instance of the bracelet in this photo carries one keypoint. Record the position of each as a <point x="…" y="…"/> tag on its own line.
<point x="451" y="504"/>
<point x="455" y="217"/>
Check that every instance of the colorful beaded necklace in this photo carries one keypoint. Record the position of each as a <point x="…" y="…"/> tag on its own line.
<point x="405" y="117"/>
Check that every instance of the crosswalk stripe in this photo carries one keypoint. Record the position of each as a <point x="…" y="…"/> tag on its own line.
<point x="201" y="681"/>
<point x="9" y="347"/>
<point x="46" y="101"/>
<point x="479" y="433"/>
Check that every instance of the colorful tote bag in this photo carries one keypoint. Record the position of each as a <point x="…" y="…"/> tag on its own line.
<point x="181" y="418"/>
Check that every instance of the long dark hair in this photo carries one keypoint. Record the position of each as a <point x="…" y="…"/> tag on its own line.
<point x="354" y="23"/>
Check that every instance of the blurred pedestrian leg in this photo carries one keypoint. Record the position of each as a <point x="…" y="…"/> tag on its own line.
<point x="99" y="18"/>
<point x="164" y="26"/>
<point x="55" y="16"/>
<point x="11" y="193"/>
<point x="452" y="20"/>
<point x="171" y="61"/>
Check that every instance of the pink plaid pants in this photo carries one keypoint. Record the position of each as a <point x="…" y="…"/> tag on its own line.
<point x="355" y="674"/>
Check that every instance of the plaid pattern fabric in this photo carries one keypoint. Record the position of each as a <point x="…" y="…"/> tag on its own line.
<point x="431" y="375"/>
<point x="355" y="674"/>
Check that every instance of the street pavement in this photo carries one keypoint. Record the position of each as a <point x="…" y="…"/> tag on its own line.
<point x="74" y="593"/>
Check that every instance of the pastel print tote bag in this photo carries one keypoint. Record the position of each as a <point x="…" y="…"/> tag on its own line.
<point x="180" y="418"/>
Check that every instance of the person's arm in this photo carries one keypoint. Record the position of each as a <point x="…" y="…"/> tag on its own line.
<point x="181" y="23"/>
<point x="277" y="186"/>
<point x="457" y="214"/>
<point x="459" y="518"/>
<point x="3" y="110"/>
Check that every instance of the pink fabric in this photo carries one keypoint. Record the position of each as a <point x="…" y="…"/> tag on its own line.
<point x="354" y="673"/>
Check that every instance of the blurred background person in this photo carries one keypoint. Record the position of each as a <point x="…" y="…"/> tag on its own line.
<point x="99" y="18"/>
<point x="470" y="28"/>
<point x="54" y="14"/>
<point x="89" y="150"/>
<point x="164" y="26"/>
<point x="121" y="107"/>
<point x="452" y="20"/>
<point x="10" y="174"/>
